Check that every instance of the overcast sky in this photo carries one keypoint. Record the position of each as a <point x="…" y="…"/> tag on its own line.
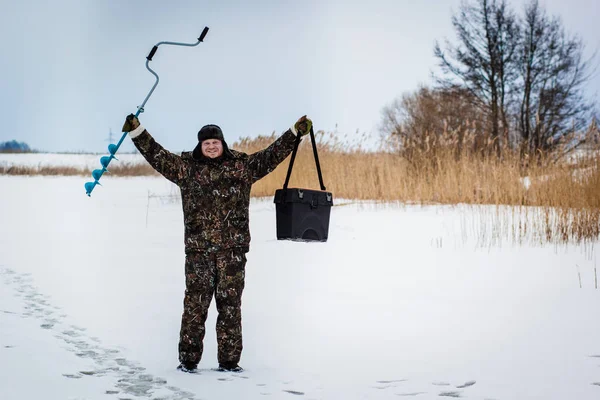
<point x="73" y="69"/>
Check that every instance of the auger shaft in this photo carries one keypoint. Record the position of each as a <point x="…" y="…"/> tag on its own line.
<point x="113" y="148"/>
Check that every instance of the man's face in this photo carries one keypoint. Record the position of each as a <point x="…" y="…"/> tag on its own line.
<point x="212" y="148"/>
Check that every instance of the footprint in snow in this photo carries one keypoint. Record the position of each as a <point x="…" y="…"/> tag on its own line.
<point x="294" y="392"/>
<point x="466" y="384"/>
<point x="394" y="381"/>
<point x="184" y="394"/>
<point x="123" y="362"/>
<point x="596" y="383"/>
<point x="90" y="373"/>
<point x="87" y="354"/>
<point x="381" y="387"/>
<point x="450" y="394"/>
<point x="78" y="328"/>
<point x="387" y="384"/>
<point x="410" y="394"/>
<point x="440" y="383"/>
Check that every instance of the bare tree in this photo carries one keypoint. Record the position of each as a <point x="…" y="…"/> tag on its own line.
<point x="484" y="61"/>
<point x="428" y="118"/>
<point x="552" y="74"/>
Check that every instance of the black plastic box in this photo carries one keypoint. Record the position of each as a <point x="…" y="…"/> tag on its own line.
<point x="303" y="214"/>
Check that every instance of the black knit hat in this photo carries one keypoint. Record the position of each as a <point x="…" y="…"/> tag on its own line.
<point x="210" y="132"/>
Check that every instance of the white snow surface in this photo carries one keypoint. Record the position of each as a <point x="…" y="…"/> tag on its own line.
<point x="400" y="302"/>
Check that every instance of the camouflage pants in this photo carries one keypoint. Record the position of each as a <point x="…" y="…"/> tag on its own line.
<point x="221" y="274"/>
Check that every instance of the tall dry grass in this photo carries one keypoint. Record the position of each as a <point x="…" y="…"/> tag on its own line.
<point x="116" y="169"/>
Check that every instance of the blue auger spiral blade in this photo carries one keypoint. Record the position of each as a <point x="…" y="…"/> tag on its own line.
<point x="104" y="161"/>
<point x="113" y="148"/>
<point x="97" y="174"/>
<point x="89" y="186"/>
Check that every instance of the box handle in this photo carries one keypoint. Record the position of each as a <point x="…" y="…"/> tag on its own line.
<point x="314" y="146"/>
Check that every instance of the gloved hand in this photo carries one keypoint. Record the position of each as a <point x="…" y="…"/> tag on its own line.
<point x="131" y="122"/>
<point x="303" y="125"/>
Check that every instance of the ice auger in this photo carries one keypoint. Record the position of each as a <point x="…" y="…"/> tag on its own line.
<point x="113" y="148"/>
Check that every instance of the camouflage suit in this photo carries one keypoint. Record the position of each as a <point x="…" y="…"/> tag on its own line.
<point x="216" y="198"/>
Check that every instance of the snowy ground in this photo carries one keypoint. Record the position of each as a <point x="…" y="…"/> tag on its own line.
<point x="89" y="161"/>
<point x="401" y="302"/>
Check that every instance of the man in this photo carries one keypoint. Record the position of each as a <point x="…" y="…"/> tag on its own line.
<point x="215" y="187"/>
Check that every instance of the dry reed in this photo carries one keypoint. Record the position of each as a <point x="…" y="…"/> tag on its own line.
<point x="116" y="169"/>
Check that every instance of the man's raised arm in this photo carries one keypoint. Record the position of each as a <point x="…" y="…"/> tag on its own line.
<point x="170" y="165"/>
<point x="265" y="161"/>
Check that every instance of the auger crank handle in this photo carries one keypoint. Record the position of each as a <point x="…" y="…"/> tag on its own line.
<point x="203" y="34"/>
<point x="152" y="52"/>
<point x="155" y="48"/>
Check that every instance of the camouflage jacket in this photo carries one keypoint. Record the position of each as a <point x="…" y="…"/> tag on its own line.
<point x="215" y="193"/>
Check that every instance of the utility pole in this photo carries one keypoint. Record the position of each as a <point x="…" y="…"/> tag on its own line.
<point x="110" y="135"/>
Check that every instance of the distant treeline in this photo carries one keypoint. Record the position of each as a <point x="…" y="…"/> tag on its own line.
<point x="14" y="147"/>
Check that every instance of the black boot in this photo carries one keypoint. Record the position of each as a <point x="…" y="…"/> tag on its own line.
<point x="229" y="367"/>
<point x="190" y="368"/>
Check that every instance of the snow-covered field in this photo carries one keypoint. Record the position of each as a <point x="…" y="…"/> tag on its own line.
<point x="89" y="161"/>
<point x="401" y="302"/>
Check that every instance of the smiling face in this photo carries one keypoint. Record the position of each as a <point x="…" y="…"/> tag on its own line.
<point x="212" y="148"/>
